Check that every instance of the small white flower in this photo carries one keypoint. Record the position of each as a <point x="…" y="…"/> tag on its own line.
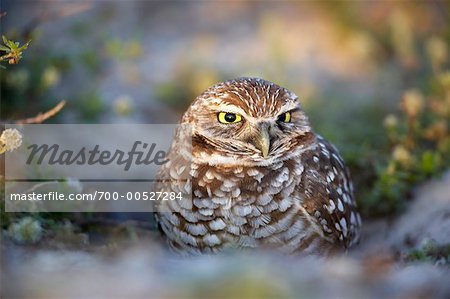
<point x="412" y="102"/>
<point x="11" y="139"/>
<point x="402" y="155"/>
<point x="26" y="231"/>
<point x="390" y="121"/>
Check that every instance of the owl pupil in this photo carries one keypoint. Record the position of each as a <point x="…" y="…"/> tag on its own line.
<point x="282" y="117"/>
<point x="230" y="117"/>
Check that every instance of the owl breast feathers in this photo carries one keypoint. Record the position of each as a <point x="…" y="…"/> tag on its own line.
<point x="259" y="177"/>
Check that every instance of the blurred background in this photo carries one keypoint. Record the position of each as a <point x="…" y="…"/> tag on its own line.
<point x="373" y="77"/>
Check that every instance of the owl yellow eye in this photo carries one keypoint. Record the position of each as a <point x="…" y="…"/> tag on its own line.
<point x="285" y="117"/>
<point x="228" y="118"/>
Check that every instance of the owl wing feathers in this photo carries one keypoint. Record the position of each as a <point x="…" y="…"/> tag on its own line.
<point x="327" y="193"/>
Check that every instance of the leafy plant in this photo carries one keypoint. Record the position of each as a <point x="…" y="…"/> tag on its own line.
<point x="13" y="50"/>
<point x="419" y="142"/>
<point x="430" y="250"/>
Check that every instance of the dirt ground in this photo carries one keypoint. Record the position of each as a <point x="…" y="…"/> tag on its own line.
<point x="380" y="267"/>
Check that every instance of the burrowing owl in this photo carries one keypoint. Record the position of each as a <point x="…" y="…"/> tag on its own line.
<point x="260" y="177"/>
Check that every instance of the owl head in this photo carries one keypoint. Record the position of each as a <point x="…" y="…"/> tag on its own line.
<point x="247" y="121"/>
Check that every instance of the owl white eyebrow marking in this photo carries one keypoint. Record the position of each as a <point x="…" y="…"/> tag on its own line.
<point x="289" y="108"/>
<point x="230" y="108"/>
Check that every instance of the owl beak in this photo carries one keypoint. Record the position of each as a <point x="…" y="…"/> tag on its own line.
<point x="262" y="142"/>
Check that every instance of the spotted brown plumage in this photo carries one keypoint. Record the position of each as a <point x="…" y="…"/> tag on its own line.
<point x="258" y="175"/>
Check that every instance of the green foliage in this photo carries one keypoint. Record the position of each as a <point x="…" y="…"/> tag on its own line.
<point x="431" y="251"/>
<point x="418" y="146"/>
<point x="389" y="150"/>
<point x="390" y="153"/>
<point x="13" y="50"/>
<point x="90" y="106"/>
<point x="90" y="60"/>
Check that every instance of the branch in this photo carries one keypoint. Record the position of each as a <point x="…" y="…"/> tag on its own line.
<point x="41" y="117"/>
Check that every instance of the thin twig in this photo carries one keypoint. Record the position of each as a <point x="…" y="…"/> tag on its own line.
<point x="41" y="117"/>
